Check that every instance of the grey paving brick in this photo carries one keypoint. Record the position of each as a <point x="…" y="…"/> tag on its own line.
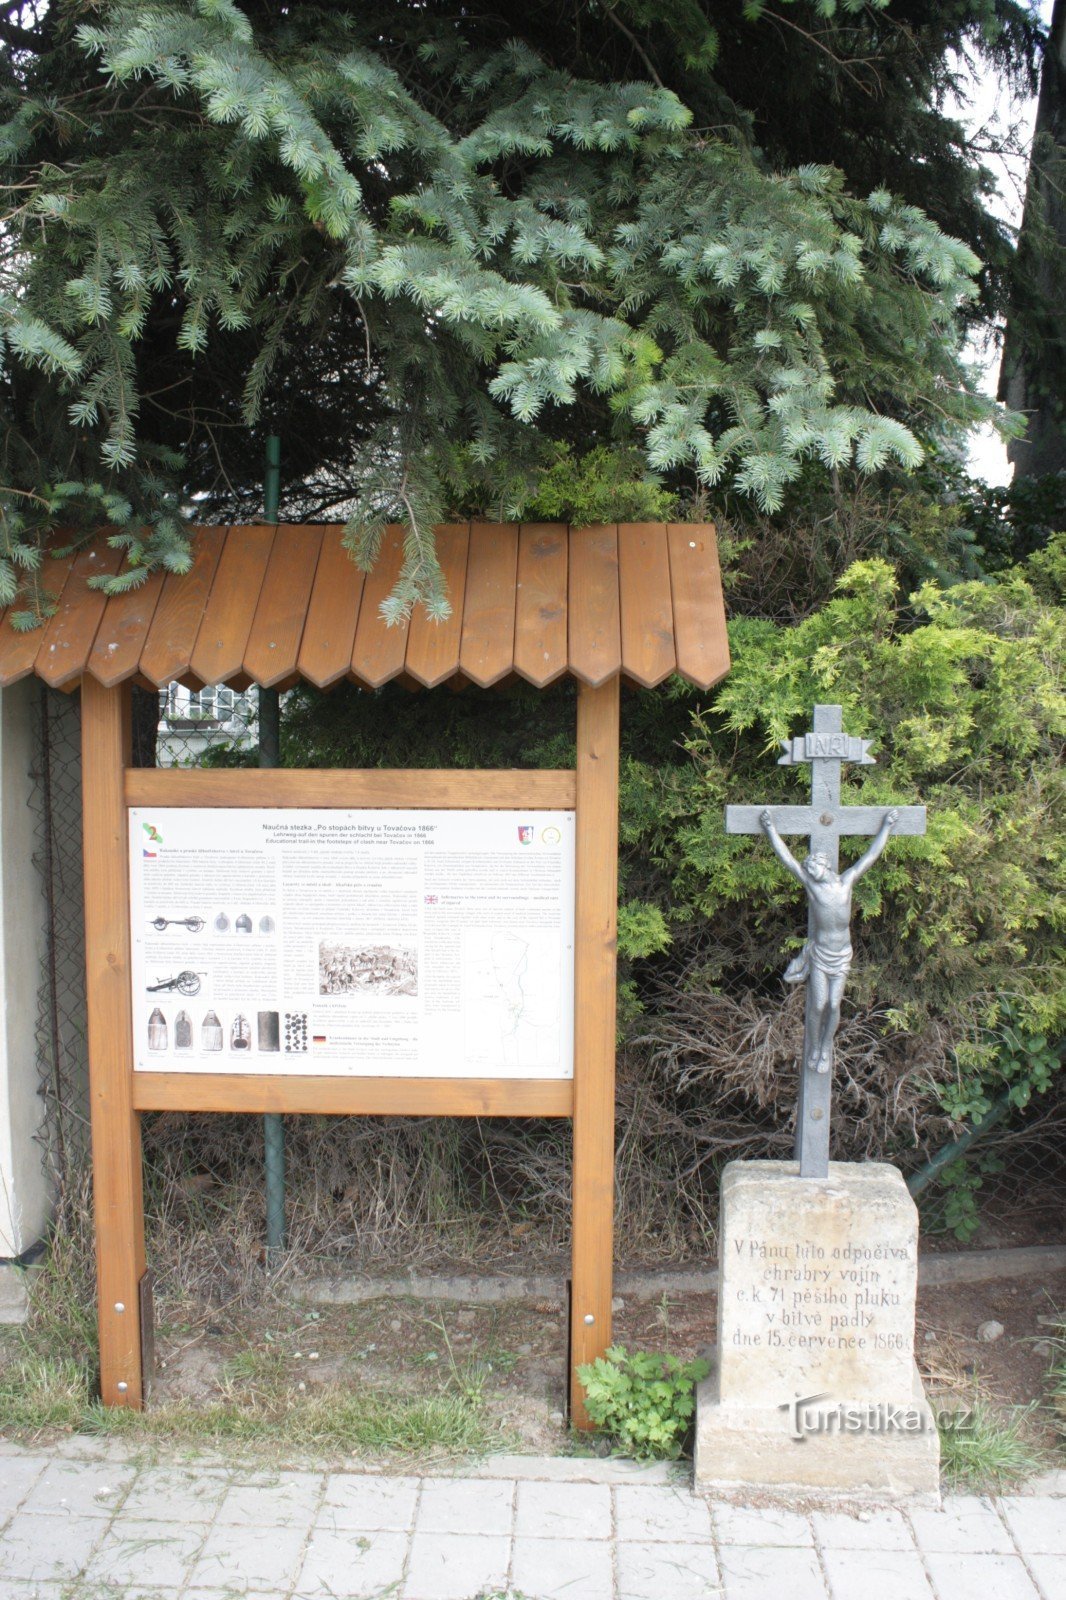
<point x="40" y="1546"/>
<point x="655" y="1514"/>
<point x="152" y="1553"/>
<point x="236" y="1592"/>
<point x="563" y="1569"/>
<point x="1037" y="1522"/>
<point x="461" y="1506"/>
<point x="876" y="1575"/>
<point x="1053" y="1482"/>
<point x="18" y="1474"/>
<point x="1050" y="1574"/>
<point x="572" y="1469"/>
<point x="257" y="1558"/>
<point x="654" y="1571"/>
<point x="457" y="1566"/>
<point x="357" y="1500"/>
<point x="561" y="1510"/>
<point x="965" y="1577"/>
<point x="967" y="1523"/>
<point x="91" y="1447"/>
<point x="87" y="1589"/>
<point x="356" y="1565"/>
<point x="80" y="1488"/>
<point x="14" y="1590"/>
<point x="771" y="1573"/>
<point x="175" y="1494"/>
<point x="761" y="1525"/>
<point x="881" y="1529"/>
<point x="288" y="1500"/>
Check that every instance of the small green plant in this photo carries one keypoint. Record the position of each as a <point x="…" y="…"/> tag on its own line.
<point x="985" y="1447"/>
<point x="960" y="1183"/>
<point x="644" y="1401"/>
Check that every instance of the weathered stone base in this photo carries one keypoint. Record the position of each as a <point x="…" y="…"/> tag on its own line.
<point x="740" y="1445"/>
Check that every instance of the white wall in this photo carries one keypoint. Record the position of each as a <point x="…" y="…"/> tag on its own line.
<point x="25" y="1187"/>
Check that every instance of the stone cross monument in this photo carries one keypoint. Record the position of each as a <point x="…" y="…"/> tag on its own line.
<point x="826" y="956"/>
<point x="813" y="1387"/>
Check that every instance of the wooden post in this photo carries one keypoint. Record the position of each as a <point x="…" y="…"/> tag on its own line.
<point x="116" y="1132"/>
<point x="595" y="944"/>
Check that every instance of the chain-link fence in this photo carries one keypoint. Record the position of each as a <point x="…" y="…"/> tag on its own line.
<point x="196" y="725"/>
<point x="187" y="728"/>
<point x="62" y="1052"/>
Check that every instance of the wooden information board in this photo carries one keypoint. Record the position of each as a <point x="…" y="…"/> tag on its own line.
<point x="574" y="1077"/>
<point x="353" y="943"/>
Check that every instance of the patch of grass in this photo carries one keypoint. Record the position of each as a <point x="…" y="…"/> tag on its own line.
<point x="986" y="1447"/>
<point x="42" y="1392"/>
<point x="48" y="1382"/>
<point x="1057" y="1382"/>
<point x="38" y="1394"/>
<point x="48" y="1366"/>
<point x="330" y="1419"/>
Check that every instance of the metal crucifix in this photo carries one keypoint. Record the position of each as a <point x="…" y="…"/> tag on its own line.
<point x="824" y="961"/>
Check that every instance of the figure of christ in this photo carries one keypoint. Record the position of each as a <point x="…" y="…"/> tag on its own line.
<point x="824" y="960"/>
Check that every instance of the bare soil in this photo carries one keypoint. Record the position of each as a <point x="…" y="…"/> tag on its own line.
<point x="516" y="1353"/>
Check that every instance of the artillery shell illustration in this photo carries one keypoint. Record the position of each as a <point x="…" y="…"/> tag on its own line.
<point x="266" y="924"/>
<point x="243" y="923"/>
<point x="183" y="1031"/>
<point x="269" y="1030"/>
<point x="157" y="1030"/>
<point x="211" y="1032"/>
<point x="222" y="923"/>
<point x="240" y="1035"/>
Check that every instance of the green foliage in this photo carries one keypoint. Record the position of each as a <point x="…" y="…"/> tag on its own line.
<point x="961" y="1182"/>
<point x="960" y="690"/>
<point x="642" y="930"/>
<point x="644" y="1401"/>
<point x="450" y="249"/>
<point x="600" y="486"/>
<point x="986" y="1448"/>
<point x="1006" y="1060"/>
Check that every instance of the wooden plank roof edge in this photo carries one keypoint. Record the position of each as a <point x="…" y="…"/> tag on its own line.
<point x="702" y="667"/>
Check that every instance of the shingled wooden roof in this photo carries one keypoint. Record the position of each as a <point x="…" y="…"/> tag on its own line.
<point x="272" y="605"/>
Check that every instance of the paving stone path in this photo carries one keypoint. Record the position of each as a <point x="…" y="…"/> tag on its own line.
<point x="90" y="1521"/>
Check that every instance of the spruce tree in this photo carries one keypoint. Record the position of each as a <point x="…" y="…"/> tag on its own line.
<point x="428" y="248"/>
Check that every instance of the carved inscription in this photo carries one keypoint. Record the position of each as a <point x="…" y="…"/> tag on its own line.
<point x="806" y="1296"/>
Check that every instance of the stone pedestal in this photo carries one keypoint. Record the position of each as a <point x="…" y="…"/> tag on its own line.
<point x="814" y="1390"/>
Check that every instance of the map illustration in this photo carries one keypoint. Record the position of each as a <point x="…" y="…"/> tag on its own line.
<point x="512" y="999"/>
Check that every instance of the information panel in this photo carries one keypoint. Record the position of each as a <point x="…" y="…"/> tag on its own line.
<point x="353" y="943"/>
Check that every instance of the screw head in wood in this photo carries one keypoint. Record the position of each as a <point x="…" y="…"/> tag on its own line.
<point x="122" y="1387"/>
<point x="826" y="819"/>
<point x="119" y="1306"/>
<point x="589" y="1320"/>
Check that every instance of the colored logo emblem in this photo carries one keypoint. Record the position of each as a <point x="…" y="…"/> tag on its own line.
<point x="550" y="836"/>
<point x="525" y="833"/>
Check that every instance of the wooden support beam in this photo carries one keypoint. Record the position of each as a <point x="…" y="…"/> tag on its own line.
<point x="116" y="1133"/>
<point x="353" y="1097"/>
<point x="595" y="947"/>
<point x="416" y="789"/>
